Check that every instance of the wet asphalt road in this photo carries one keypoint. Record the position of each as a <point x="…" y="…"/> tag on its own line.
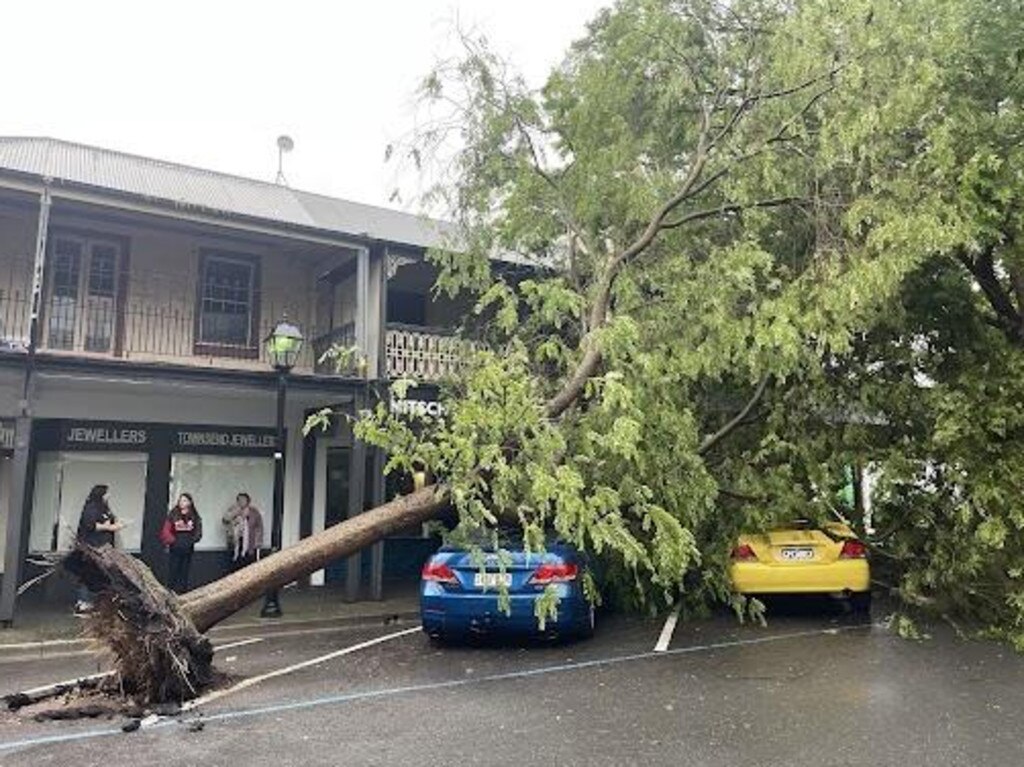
<point x="813" y="688"/>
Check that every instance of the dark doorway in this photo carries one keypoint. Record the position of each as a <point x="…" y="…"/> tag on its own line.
<point x="338" y="459"/>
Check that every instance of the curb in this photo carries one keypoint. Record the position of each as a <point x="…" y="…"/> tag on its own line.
<point x="362" y="619"/>
<point x="49" y="648"/>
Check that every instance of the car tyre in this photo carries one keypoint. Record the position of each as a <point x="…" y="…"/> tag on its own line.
<point x="860" y="603"/>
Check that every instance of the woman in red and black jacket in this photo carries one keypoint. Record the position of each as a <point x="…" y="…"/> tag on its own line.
<point x="182" y="530"/>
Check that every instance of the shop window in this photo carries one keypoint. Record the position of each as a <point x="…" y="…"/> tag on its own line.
<point x="214" y="481"/>
<point x="62" y="483"/>
<point x="228" y="317"/>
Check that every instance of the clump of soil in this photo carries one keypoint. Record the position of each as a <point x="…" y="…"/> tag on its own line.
<point x="157" y="653"/>
<point x="93" y="698"/>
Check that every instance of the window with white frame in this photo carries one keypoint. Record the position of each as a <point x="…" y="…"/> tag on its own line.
<point x="228" y="310"/>
<point x="82" y="285"/>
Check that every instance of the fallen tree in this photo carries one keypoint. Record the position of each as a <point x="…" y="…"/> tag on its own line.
<point x="683" y="186"/>
<point x="156" y="638"/>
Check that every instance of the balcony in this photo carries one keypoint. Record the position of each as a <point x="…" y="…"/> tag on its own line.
<point x="158" y="316"/>
<point x="146" y="333"/>
<point x="163" y="317"/>
<point x="424" y="353"/>
<point x="341" y="339"/>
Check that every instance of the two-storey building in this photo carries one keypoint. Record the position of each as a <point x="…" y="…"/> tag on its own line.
<point x="153" y="286"/>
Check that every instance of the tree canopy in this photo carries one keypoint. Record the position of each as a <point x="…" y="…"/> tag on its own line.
<point x="770" y="240"/>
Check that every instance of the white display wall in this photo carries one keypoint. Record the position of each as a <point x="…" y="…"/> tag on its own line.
<point x="62" y="483"/>
<point x="214" y="481"/>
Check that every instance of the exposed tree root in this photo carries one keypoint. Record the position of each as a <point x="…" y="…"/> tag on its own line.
<point x="157" y="653"/>
<point x="18" y="700"/>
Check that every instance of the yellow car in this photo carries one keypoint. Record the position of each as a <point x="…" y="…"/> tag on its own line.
<point x="804" y="559"/>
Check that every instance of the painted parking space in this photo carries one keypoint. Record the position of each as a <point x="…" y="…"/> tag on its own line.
<point x="498" y="676"/>
<point x="718" y="694"/>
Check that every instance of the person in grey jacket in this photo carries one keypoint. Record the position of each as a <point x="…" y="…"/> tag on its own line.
<point x="244" y="531"/>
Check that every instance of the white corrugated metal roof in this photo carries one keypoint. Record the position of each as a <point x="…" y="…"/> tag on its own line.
<point x="221" y="193"/>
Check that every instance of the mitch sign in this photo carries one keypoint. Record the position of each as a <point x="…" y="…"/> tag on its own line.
<point x="417" y="407"/>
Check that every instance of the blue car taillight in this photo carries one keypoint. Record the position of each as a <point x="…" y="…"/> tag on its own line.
<point x="560" y="573"/>
<point x="438" y="572"/>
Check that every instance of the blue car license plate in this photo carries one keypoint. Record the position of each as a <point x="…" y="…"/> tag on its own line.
<point x="492" y="580"/>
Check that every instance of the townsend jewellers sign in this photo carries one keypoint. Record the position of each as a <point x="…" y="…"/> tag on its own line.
<point x="239" y="440"/>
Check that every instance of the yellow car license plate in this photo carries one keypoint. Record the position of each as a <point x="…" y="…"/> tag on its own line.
<point x="797" y="553"/>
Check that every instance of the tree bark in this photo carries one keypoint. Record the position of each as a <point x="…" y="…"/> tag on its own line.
<point x="214" y="602"/>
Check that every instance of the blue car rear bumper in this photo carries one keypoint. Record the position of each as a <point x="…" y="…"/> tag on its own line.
<point x="462" y="614"/>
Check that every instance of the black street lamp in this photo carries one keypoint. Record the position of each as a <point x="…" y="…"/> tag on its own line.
<point x="284" y="344"/>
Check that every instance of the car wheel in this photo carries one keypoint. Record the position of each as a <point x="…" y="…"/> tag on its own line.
<point x="860" y="603"/>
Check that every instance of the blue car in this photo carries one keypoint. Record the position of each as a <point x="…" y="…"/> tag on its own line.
<point x="458" y="600"/>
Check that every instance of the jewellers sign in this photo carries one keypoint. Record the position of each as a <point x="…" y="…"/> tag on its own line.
<point x="224" y="440"/>
<point x="103" y="436"/>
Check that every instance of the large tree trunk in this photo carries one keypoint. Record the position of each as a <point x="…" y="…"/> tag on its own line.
<point x="214" y="602"/>
<point x="157" y="639"/>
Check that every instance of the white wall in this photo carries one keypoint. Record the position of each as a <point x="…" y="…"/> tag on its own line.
<point x="373" y="312"/>
<point x="5" y="499"/>
<point x="62" y="483"/>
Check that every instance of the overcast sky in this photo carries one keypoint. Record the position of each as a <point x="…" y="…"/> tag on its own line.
<point x="214" y="82"/>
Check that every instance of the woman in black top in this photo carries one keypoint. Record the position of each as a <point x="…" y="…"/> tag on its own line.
<point x="182" y="531"/>
<point x="97" y="524"/>
<point x="96" y="527"/>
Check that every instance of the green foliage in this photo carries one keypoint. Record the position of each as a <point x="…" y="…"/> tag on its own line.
<point x="822" y="195"/>
<point x="506" y="463"/>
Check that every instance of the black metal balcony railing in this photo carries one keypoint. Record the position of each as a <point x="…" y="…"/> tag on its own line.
<point x="156" y="320"/>
<point x="144" y="333"/>
<point x="14" y="317"/>
<point x="330" y="351"/>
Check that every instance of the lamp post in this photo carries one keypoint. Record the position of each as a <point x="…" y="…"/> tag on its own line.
<point x="284" y="344"/>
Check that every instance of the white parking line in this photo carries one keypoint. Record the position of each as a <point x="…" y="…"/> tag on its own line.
<point x="51" y="686"/>
<point x="97" y="650"/>
<point x="668" y="630"/>
<point x="239" y="643"/>
<point x="217" y="695"/>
